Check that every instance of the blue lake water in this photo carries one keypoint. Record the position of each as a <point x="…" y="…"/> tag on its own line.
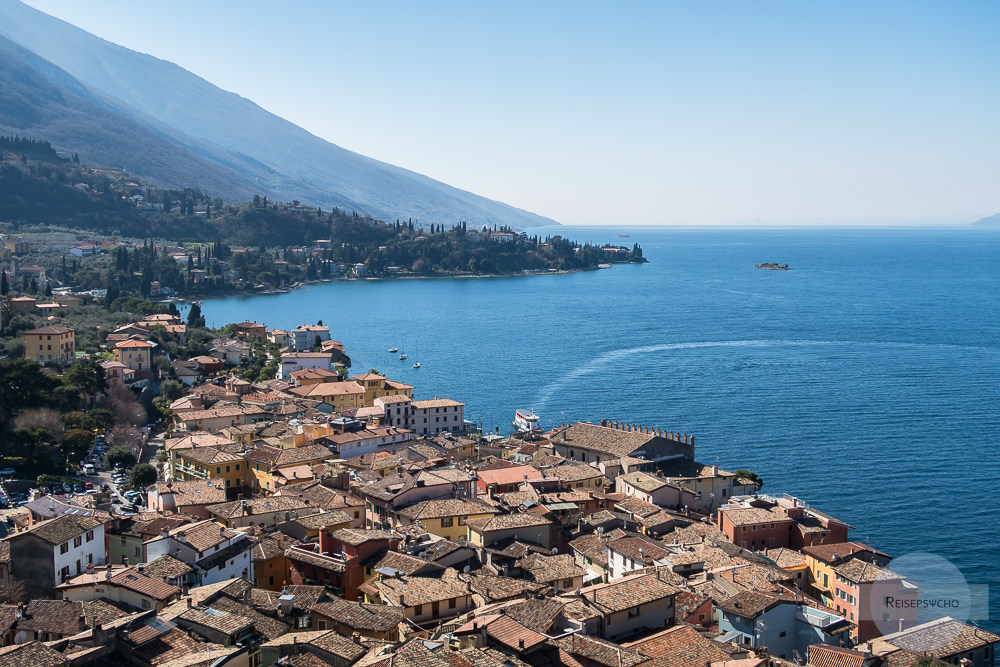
<point x="864" y="381"/>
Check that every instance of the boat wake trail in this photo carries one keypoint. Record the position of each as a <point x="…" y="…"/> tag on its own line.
<point x="601" y="362"/>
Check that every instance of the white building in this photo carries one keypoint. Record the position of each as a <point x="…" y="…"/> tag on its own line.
<point x="303" y="337"/>
<point x="430" y="417"/>
<point x="298" y="361"/>
<point x="216" y="553"/>
<point x="50" y="552"/>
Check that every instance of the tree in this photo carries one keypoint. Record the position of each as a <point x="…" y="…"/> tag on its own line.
<point x="4" y="287"/>
<point x="195" y="318"/>
<point x="142" y="476"/>
<point x="171" y="390"/>
<point x="76" y="441"/>
<point x="87" y="377"/>
<point x="119" y="455"/>
<point x="752" y="476"/>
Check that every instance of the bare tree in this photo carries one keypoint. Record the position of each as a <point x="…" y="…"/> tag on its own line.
<point x="124" y="406"/>
<point x="45" y="418"/>
<point x="125" y="436"/>
<point x="13" y="591"/>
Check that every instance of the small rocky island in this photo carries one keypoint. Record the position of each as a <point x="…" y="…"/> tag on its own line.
<point x="772" y="266"/>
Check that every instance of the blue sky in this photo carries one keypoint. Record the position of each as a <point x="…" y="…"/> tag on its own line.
<point x="623" y="113"/>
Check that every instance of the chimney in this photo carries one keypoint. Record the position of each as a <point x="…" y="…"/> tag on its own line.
<point x="190" y="603"/>
<point x="356" y="637"/>
<point x="401" y="602"/>
<point x="520" y="643"/>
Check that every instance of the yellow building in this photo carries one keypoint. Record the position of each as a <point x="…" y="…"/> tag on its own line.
<point x="377" y="386"/>
<point x="16" y="246"/>
<point x="50" y="344"/>
<point x="135" y="354"/>
<point x="446" y="517"/>
<point x="213" y="463"/>
<point x="265" y="461"/>
<point x="343" y="396"/>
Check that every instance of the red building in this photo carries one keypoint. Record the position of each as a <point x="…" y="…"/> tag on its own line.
<point x="338" y="560"/>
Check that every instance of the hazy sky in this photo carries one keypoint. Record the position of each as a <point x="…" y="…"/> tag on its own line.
<point x="624" y="112"/>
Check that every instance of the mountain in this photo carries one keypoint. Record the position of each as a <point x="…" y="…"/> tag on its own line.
<point x="989" y="221"/>
<point x="239" y="138"/>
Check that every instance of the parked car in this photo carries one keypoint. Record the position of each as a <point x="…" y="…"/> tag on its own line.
<point x="105" y="487"/>
<point x="78" y="488"/>
<point x="67" y="487"/>
<point x="87" y="486"/>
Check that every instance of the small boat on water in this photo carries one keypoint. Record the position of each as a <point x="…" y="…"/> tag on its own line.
<point x="526" y="421"/>
<point x="417" y="365"/>
<point x="393" y="349"/>
<point x="402" y="357"/>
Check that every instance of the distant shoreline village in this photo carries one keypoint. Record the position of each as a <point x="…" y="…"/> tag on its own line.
<point x="282" y="510"/>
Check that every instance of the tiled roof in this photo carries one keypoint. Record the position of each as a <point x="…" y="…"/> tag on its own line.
<point x="823" y="655"/>
<point x="785" y="558"/>
<point x="361" y="616"/>
<point x="941" y="638"/>
<point x="538" y="613"/>
<point x="629" y="592"/>
<point x="638" y="549"/>
<point x="260" y="505"/>
<point x="322" y="519"/>
<point x="446" y="507"/>
<point x="572" y="472"/>
<point x="336" y="644"/>
<point x="211" y="455"/>
<point x="830" y="553"/>
<point x="593" y="547"/>
<point x="511" y="475"/>
<point x="265" y="625"/>
<point x="35" y="654"/>
<point x="167" y="566"/>
<point x="601" y="439"/>
<point x="506" y="522"/>
<point x="204" y="534"/>
<point x="860" y="572"/>
<point x="748" y="516"/>
<point x="644" y="481"/>
<point x="356" y="536"/>
<point x="512" y="634"/>
<point x="143" y="584"/>
<point x="419" y="590"/>
<point x="435" y="403"/>
<point x="406" y="564"/>
<point x="57" y="617"/>
<point x="62" y="528"/>
<point x="495" y="589"/>
<point x="680" y="646"/>
<point x="551" y="569"/>
<point x="220" y="620"/>
<point x="195" y="492"/>
<point x="595" y="650"/>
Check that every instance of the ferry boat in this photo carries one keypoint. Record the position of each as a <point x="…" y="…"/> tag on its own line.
<point x="526" y="421"/>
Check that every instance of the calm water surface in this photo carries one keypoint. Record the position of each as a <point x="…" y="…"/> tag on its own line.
<point x="863" y="381"/>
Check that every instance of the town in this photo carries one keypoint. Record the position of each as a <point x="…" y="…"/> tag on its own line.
<point x="260" y="503"/>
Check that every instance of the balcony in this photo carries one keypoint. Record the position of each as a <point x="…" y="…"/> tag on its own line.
<point x="190" y="471"/>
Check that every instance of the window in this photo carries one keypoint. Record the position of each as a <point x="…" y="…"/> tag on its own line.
<point x="567" y="583"/>
<point x="419" y="609"/>
<point x="304" y="622"/>
<point x="145" y="603"/>
<point x="446" y="522"/>
<point x="321" y="624"/>
<point x="90" y="535"/>
<point x="452" y="603"/>
<point x="782" y="633"/>
<point x="227" y="468"/>
<point x="123" y="540"/>
<point x="237" y="467"/>
<point x="138" y="551"/>
<point x="461" y="520"/>
<point x="77" y="541"/>
<point x="634" y="611"/>
<point x="218" y="470"/>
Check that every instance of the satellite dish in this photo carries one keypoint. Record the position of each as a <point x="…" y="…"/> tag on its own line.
<point x="555" y="550"/>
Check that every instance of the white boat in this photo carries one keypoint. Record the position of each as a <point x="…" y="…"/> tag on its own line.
<point x="417" y="365"/>
<point x="526" y="421"/>
<point x="402" y="357"/>
<point x="393" y="349"/>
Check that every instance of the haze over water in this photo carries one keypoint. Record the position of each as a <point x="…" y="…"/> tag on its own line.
<point x="863" y="381"/>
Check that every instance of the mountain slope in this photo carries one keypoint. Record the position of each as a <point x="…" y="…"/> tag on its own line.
<point x="38" y="99"/>
<point x="235" y="132"/>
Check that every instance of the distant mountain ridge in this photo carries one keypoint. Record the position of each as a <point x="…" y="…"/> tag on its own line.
<point x="252" y="149"/>
<point x="989" y="221"/>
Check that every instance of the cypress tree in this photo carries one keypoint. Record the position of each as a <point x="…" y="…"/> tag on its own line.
<point x="4" y="287"/>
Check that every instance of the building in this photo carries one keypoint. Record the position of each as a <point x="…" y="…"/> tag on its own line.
<point x="303" y="337"/>
<point x="338" y="560"/>
<point x="590" y="443"/>
<point x="137" y="356"/>
<point x="341" y="396"/>
<point x="50" y="552"/>
<point x="51" y="344"/>
<point x="625" y="607"/>
<point x="223" y="466"/>
<point x="484" y="532"/>
<point x="124" y="585"/>
<point x="214" y="553"/>
<point x="946" y="639"/>
<point x="445" y="517"/>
